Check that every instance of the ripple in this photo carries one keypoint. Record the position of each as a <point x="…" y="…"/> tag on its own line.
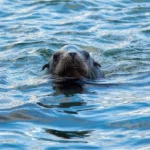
<point x="36" y="112"/>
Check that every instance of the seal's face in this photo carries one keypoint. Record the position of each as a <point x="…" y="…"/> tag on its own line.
<point x="69" y="64"/>
<point x="71" y="61"/>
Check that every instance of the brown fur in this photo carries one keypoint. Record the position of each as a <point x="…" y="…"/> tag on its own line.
<point x="66" y="66"/>
<point x="81" y="64"/>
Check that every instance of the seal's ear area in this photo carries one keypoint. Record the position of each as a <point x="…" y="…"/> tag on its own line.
<point x="95" y="63"/>
<point x="45" y="66"/>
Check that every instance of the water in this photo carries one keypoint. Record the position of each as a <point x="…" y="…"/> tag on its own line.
<point x="113" y="113"/>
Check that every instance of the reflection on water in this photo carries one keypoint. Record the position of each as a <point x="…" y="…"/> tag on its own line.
<point x="67" y="134"/>
<point x="36" y="112"/>
<point x="68" y="87"/>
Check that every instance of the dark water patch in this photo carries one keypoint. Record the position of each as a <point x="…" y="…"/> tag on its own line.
<point x="67" y="134"/>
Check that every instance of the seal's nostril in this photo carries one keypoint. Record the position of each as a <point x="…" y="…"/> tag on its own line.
<point x="72" y="54"/>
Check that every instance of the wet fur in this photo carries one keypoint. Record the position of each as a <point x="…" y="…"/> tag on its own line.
<point x="83" y="65"/>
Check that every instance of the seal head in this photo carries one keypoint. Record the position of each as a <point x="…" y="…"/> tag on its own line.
<point x="71" y="61"/>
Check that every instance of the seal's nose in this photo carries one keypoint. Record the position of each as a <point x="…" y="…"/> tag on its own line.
<point x="72" y="54"/>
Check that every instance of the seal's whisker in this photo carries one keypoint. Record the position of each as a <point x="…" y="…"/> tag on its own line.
<point x="91" y="73"/>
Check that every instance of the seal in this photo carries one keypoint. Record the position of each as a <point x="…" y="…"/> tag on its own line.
<point x="73" y="62"/>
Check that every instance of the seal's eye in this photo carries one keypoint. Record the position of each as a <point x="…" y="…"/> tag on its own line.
<point x="56" y="57"/>
<point x="86" y="54"/>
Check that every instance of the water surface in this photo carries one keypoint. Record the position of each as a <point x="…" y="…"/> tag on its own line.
<point x="106" y="114"/>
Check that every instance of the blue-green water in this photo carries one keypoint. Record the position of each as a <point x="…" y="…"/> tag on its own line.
<point x="113" y="113"/>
